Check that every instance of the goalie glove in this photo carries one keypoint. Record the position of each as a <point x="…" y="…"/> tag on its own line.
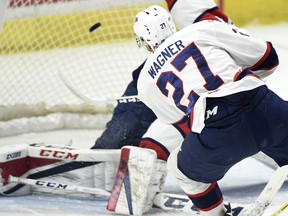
<point x="55" y="164"/>
<point x="139" y="177"/>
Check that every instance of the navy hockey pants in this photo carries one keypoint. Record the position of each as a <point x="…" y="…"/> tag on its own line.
<point x="245" y="123"/>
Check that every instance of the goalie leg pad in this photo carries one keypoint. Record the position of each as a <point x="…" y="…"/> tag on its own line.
<point x="130" y="191"/>
<point x="156" y="184"/>
<point x="104" y="175"/>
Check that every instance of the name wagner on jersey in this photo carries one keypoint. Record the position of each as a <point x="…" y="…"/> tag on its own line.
<point x="164" y="55"/>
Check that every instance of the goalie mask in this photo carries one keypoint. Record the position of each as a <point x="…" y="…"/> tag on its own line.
<point x="152" y="26"/>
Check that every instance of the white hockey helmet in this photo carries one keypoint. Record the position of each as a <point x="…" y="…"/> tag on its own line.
<point x="152" y="26"/>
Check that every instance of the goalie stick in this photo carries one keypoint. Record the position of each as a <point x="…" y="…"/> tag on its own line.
<point x="265" y="160"/>
<point x="163" y="201"/>
<point x="281" y="210"/>
<point x="96" y="101"/>
<point x="57" y="185"/>
<point x="268" y="193"/>
<point x="181" y="203"/>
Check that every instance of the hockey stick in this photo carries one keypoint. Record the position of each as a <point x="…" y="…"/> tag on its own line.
<point x="183" y="203"/>
<point x="265" y="160"/>
<point x="168" y="201"/>
<point x="57" y="185"/>
<point x="163" y="201"/>
<point x="281" y="210"/>
<point x="268" y="193"/>
<point x="96" y="101"/>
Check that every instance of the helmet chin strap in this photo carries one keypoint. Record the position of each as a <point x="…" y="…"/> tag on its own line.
<point x="149" y="48"/>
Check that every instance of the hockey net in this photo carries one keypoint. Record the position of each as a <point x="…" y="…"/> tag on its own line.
<point x="41" y="38"/>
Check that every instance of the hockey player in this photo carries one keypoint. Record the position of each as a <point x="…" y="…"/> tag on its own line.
<point x="130" y="121"/>
<point x="211" y="75"/>
<point x="134" y="123"/>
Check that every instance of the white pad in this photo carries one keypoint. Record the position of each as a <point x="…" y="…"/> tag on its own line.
<point x="66" y="153"/>
<point x="156" y="184"/>
<point x="130" y="191"/>
<point x="142" y="168"/>
<point x="104" y="175"/>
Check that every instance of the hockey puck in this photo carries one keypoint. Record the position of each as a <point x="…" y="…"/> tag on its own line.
<point x="95" y="26"/>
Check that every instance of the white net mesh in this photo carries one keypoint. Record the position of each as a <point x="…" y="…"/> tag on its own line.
<point x="40" y="38"/>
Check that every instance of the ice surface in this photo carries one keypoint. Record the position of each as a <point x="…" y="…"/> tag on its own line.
<point x="242" y="184"/>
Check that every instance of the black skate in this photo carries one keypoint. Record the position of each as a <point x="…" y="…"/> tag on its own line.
<point x="232" y="211"/>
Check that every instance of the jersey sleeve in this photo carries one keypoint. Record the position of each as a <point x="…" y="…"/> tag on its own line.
<point x="186" y="12"/>
<point x="247" y="51"/>
<point x="267" y="64"/>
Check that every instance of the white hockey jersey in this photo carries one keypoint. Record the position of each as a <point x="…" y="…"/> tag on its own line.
<point x="206" y="59"/>
<point x="186" y="12"/>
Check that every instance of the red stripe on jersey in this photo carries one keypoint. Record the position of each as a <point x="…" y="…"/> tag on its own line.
<point x="213" y="14"/>
<point x="208" y="190"/>
<point x="243" y="73"/>
<point x="268" y="50"/>
<point x="268" y="61"/>
<point x="192" y="117"/>
<point x="183" y="126"/>
<point x="208" y="16"/>
<point x="162" y="152"/>
<point x="209" y="199"/>
<point x="212" y="206"/>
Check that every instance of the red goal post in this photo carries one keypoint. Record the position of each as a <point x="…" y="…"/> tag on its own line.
<point x="221" y="4"/>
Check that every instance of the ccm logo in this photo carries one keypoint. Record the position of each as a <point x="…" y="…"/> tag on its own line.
<point x="51" y="184"/>
<point x="58" y="154"/>
<point x="13" y="155"/>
